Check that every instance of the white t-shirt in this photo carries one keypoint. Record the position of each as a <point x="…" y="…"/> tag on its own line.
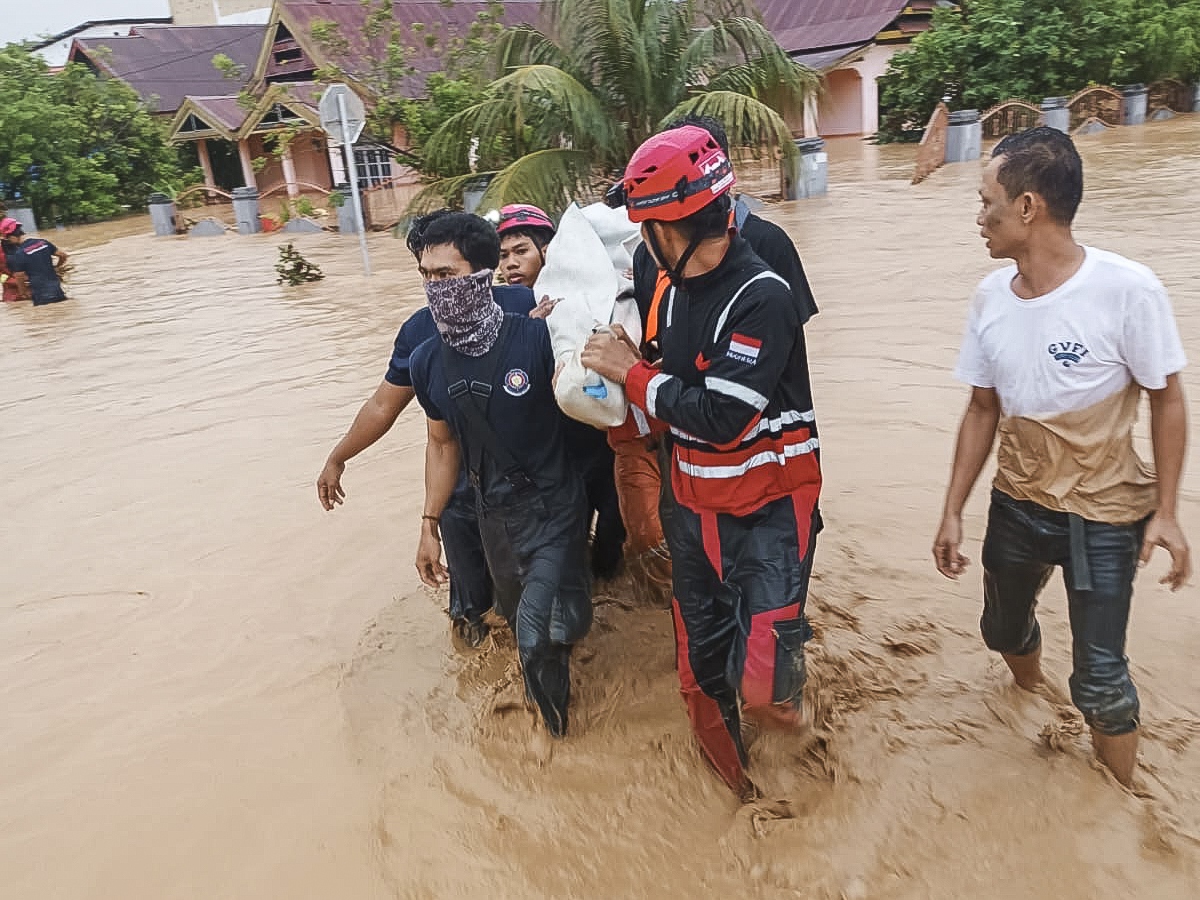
<point x="1067" y="367"/>
<point x="1109" y="323"/>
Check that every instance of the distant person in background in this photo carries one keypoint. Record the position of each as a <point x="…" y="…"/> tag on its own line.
<point x="37" y="259"/>
<point x="14" y="287"/>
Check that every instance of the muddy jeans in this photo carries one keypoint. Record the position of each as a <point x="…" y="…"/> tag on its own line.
<point x="1024" y="542"/>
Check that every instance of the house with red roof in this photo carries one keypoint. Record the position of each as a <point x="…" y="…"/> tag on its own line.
<point x="235" y="139"/>
<point x="235" y="123"/>
<point x="850" y="42"/>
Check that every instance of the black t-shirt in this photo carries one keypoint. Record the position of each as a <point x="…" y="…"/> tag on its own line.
<point x="521" y="410"/>
<point x="766" y="239"/>
<point x="35" y="257"/>
<point x="776" y="249"/>
<point x="420" y="327"/>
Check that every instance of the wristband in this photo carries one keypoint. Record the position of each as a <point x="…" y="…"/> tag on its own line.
<point x="432" y="518"/>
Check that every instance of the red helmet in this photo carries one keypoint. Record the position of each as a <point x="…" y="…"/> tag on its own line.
<point x="674" y="174"/>
<point x="522" y="215"/>
<point x="8" y="226"/>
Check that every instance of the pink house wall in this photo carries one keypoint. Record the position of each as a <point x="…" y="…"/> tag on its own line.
<point x="311" y="158"/>
<point x="850" y="104"/>
<point x="840" y="109"/>
<point x="311" y="164"/>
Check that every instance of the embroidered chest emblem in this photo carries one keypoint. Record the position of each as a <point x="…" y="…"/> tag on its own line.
<point x="744" y="349"/>
<point x="516" y="382"/>
<point x="1069" y="353"/>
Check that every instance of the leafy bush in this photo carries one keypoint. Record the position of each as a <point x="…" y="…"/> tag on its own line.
<point x="294" y="269"/>
<point x="75" y="145"/>
<point x="987" y="51"/>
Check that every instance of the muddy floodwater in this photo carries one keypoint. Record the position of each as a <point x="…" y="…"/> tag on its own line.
<point x="211" y="688"/>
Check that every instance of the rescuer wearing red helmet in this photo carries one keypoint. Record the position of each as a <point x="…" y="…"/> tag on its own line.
<point x="732" y="390"/>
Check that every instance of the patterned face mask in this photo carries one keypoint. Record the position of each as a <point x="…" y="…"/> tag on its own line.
<point x="467" y="317"/>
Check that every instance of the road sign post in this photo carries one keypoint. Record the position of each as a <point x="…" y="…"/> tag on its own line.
<point x="343" y="117"/>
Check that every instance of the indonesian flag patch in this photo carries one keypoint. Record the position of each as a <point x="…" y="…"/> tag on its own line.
<point x="744" y="349"/>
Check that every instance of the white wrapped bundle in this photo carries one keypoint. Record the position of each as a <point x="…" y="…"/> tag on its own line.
<point x="620" y="238"/>
<point x="580" y="270"/>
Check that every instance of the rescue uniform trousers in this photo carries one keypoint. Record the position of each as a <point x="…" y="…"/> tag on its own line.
<point x="740" y="586"/>
<point x="536" y="546"/>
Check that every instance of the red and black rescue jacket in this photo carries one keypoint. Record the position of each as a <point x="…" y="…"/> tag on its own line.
<point x="733" y="387"/>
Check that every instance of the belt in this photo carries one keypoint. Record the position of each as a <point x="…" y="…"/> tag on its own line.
<point x="1081" y="571"/>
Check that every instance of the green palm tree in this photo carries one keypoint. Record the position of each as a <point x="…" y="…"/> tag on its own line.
<point x="573" y="101"/>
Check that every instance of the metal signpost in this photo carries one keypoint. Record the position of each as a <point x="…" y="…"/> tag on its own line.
<point x="343" y="117"/>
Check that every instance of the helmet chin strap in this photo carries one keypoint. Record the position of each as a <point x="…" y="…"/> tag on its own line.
<point x="675" y="272"/>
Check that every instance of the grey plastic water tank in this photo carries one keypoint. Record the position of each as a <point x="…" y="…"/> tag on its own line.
<point x="24" y="215"/>
<point x="162" y="214"/>
<point x="807" y="174"/>
<point x="245" y="210"/>
<point x="964" y="136"/>
<point x="345" y="212"/>
<point x="1133" y="104"/>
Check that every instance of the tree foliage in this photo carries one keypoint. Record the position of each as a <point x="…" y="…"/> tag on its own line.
<point x="392" y="50"/>
<point x="74" y="145"/>
<point x="574" y="100"/>
<point x="986" y="51"/>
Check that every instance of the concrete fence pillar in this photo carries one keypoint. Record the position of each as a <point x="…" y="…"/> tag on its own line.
<point x="1133" y="104"/>
<point x="964" y="136"/>
<point x="245" y="210"/>
<point x="1056" y="114"/>
<point x="473" y="193"/>
<point x="24" y="215"/>
<point x="1196" y="97"/>
<point x="162" y="214"/>
<point x="807" y="174"/>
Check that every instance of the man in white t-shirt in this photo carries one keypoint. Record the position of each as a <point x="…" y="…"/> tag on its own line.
<point x="1058" y="350"/>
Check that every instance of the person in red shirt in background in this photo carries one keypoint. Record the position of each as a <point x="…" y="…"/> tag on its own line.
<point x="15" y="286"/>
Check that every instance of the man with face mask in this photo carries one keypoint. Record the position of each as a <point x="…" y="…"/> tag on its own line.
<point x="475" y="245"/>
<point x="485" y="384"/>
